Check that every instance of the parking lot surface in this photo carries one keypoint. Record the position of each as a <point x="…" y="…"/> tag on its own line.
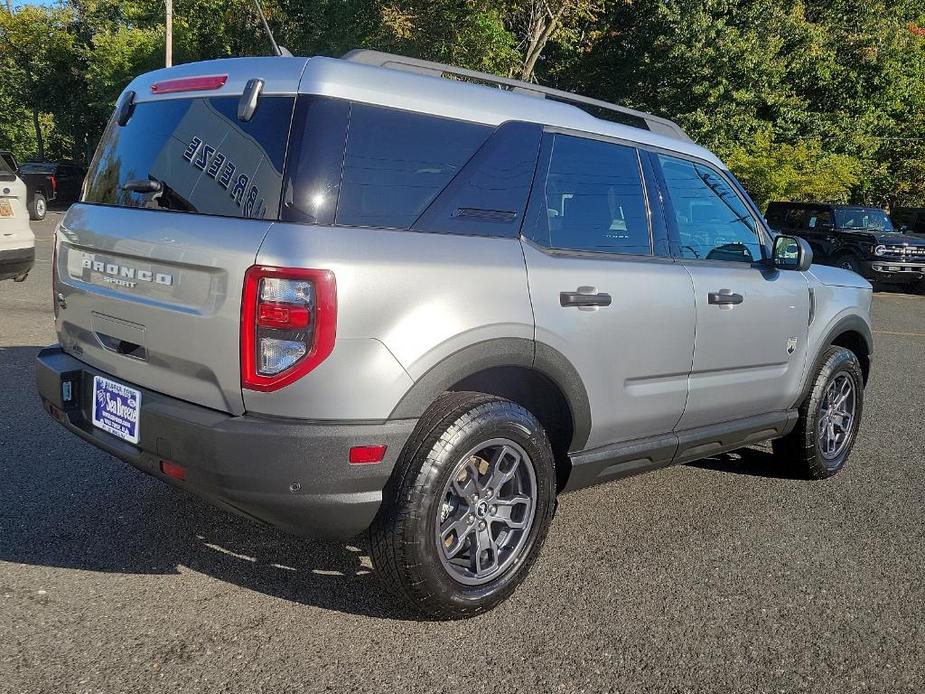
<point x="723" y="576"/>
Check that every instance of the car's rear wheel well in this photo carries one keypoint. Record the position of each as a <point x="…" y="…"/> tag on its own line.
<point x="538" y="394"/>
<point x="854" y="341"/>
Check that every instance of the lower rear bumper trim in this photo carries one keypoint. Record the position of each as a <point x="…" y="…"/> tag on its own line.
<point x="291" y="474"/>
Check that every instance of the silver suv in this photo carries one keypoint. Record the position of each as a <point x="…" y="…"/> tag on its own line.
<point x="351" y="295"/>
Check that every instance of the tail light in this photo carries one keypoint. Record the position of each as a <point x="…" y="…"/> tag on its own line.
<point x="288" y="324"/>
<point x="54" y="184"/>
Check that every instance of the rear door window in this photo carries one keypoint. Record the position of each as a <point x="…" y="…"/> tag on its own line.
<point x="819" y="218"/>
<point x="204" y="159"/>
<point x="590" y="197"/>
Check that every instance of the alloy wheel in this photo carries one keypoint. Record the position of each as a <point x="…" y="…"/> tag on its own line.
<point x="836" y="416"/>
<point x="487" y="511"/>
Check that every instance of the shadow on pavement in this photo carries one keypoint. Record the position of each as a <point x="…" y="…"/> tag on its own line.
<point x="66" y="504"/>
<point x="746" y="461"/>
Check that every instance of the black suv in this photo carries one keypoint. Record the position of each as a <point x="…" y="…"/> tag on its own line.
<point x="857" y="238"/>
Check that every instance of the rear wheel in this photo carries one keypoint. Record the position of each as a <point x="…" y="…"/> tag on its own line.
<point x="38" y="207"/>
<point x="468" y="508"/>
<point x="829" y="420"/>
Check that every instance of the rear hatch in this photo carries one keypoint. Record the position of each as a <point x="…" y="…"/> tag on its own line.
<point x="150" y="265"/>
<point x="14" y="217"/>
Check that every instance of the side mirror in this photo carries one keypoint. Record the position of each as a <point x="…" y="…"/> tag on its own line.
<point x="791" y="253"/>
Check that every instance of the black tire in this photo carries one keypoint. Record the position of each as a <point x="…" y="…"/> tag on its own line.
<point x="848" y="261"/>
<point x="403" y="538"/>
<point x="38" y="207"/>
<point x="802" y="449"/>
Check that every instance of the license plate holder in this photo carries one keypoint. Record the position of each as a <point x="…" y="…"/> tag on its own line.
<point x="116" y="409"/>
<point x="6" y="209"/>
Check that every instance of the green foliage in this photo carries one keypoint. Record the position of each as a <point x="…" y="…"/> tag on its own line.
<point x="805" y="99"/>
<point x="805" y="171"/>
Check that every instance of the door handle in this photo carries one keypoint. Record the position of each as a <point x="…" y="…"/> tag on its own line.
<point x="724" y="297"/>
<point x="580" y="299"/>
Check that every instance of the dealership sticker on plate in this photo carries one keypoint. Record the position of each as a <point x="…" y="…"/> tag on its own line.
<point x="116" y="408"/>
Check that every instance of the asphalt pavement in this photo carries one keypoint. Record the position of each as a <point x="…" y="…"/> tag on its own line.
<point x="722" y="576"/>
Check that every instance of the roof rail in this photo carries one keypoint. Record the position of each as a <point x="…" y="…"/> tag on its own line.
<point x="661" y="126"/>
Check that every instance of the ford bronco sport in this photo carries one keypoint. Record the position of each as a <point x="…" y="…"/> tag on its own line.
<point x="349" y="295"/>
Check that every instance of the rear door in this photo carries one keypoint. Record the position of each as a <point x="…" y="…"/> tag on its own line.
<point x="177" y="202"/>
<point x="752" y="320"/>
<point x="604" y="293"/>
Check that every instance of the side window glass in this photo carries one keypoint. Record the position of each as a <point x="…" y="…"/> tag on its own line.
<point x="796" y="218"/>
<point x="591" y="198"/>
<point x="397" y="162"/>
<point x="824" y="219"/>
<point x="316" y="155"/>
<point x="712" y="222"/>
<point x="487" y="198"/>
<point x="816" y="219"/>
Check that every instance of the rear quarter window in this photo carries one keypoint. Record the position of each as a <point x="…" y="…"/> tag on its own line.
<point x="396" y="163"/>
<point x="207" y="161"/>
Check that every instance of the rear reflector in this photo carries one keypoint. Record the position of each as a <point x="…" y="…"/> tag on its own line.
<point x="189" y="84"/>
<point x="56" y="413"/>
<point x="173" y="470"/>
<point x="366" y="455"/>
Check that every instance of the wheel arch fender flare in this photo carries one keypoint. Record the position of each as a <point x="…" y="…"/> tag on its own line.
<point x="851" y="325"/>
<point x="502" y="352"/>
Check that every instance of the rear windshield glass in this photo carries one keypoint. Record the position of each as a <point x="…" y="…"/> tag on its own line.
<point x="34" y="168"/>
<point x="5" y="166"/>
<point x="194" y="155"/>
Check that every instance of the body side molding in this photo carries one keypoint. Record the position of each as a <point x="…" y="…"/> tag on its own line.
<point x="653" y="452"/>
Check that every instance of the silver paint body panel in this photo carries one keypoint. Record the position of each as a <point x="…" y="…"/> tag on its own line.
<point x="633" y="356"/>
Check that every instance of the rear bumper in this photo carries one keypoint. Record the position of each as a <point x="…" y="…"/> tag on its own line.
<point x="15" y="262"/>
<point x="291" y="474"/>
<point x="893" y="270"/>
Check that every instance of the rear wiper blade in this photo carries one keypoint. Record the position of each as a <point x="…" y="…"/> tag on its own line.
<point x="144" y="185"/>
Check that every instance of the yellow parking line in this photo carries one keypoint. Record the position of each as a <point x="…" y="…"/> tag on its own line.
<point x="910" y="297"/>
<point x="900" y="334"/>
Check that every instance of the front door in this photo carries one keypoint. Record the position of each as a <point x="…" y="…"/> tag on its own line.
<point x="752" y="320"/>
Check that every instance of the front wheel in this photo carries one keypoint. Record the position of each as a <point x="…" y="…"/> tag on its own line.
<point x="849" y="262"/>
<point x="468" y="508"/>
<point x="830" y="417"/>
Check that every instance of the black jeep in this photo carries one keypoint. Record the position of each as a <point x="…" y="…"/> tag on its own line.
<point x="862" y="239"/>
